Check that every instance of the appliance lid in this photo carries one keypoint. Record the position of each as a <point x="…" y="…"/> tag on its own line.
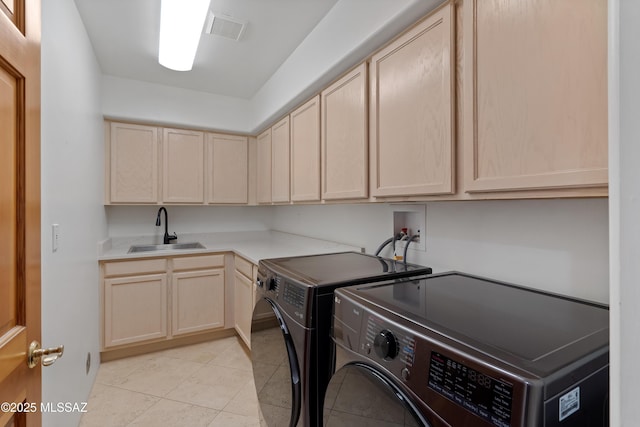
<point x="340" y="268"/>
<point x="490" y="315"/>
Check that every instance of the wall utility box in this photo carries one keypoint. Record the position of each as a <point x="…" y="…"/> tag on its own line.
<point x="413" y="218"/>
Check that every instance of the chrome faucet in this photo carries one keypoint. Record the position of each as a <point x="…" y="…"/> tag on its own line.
<point x="167" y="237"/>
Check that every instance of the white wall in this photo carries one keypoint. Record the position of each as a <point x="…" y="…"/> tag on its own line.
<point x="72" y="159"/>
<point x="624" y="176"/>
<point x="141" y="220"/>
<point x="150" y="102"/>
<point x="556" y="245"/>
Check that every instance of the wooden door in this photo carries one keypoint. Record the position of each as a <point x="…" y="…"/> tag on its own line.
<point x="182" y="166"/>
<point x="305" y="151"/>
<point x="411" y="111"/>
<point x="19" y="207"/>
<point x="345" y="149"/>
<point x="280" y="162"/>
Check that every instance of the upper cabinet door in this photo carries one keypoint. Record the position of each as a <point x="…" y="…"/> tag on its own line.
<point x="411" y="111"/>
<point x="535" y="94"/>
<point x="280" y="161"/>
<point x="183" y="166"/>
<point x="263" y="167"/>
<point x="133" y="163"/>
<point x="305" y="151"/>
<point x="344" y="137"/>
<point x="227" y="168"/>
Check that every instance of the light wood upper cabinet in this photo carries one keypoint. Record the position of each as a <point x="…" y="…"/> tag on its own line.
<point x="280" y="142"/>
<point x="305" y="151"/>
<point x="227" y="168"/>
<point x="263" y="167"/>
<point x="148" y="164"/>
<point x="535" y="94"/>
<point x="411" y="111"/>
<point x="183" y="166"/>
<point x="344" y="137"/>
<point x="133" y="156"/>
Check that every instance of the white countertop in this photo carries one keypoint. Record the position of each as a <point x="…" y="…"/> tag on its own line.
<point x="252" y="245"/>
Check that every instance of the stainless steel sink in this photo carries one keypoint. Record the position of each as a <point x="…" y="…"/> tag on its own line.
<point x="169" y="247"/>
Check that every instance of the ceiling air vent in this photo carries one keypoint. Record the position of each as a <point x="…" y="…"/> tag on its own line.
<point x="224" y="26"/>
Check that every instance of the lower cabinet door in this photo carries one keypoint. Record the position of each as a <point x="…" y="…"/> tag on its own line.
<point x="135" y="309"/>
<point x="197" y="301"/>
<point x="243" y="306"/>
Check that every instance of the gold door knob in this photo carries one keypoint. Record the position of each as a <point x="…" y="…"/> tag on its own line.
<point x="47" y="355"/>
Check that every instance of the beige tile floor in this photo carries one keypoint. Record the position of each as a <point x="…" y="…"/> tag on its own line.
<point x="208" y="385"/>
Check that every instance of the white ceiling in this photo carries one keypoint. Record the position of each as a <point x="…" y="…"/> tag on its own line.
<point x="124" y="35"/>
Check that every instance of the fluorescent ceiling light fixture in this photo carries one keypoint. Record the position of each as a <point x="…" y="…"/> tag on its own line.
<point x="181" y="24"/>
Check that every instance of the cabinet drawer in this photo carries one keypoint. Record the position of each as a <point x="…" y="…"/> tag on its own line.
<point x="122" y="268"/>
<point x="245" y="267"/>
<point x="201" y="261"/>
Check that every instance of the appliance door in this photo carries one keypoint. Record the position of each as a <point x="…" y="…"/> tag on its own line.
<point x="275" y="366"/>
<point x="360" y="395"/>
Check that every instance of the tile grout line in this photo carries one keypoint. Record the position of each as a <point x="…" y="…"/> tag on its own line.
<point x="202" y="364"/>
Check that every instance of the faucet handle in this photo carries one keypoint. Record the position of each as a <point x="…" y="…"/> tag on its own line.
<point x="173" y="236"/>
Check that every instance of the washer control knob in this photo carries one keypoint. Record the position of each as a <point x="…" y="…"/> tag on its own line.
<point x="386" y="345"/>
<point x="260" y="283"/>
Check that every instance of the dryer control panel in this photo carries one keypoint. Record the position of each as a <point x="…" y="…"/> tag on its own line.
<point x="427" y="365"/>
<point x="379" y="340"/>
<point x="485" y="396"/>
<point x="389" y="343"/>
<point x="291" y="297"/>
